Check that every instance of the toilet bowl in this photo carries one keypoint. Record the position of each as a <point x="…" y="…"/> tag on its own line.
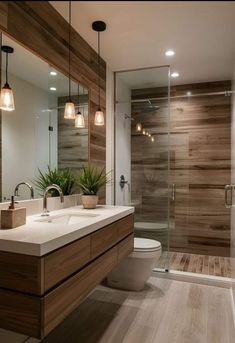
<point x="133" y="272"/>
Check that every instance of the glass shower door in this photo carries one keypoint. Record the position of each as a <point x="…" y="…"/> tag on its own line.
<point x="142" y="156"/>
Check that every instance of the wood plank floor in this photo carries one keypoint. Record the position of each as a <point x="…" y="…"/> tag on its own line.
<point x="202" y="264"/>
<point x="165" y="311"/>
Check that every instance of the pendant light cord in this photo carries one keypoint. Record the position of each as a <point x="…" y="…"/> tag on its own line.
<point x="69" y="50"/>
<point x="99" y="66"/>
<point x="6" y="68"/>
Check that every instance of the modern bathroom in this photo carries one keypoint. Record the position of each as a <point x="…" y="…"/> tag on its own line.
<point x="117" y="183"/>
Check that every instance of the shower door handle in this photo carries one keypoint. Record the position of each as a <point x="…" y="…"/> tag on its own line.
<point x="228" y="199"/>
<point x="173" y="192"/>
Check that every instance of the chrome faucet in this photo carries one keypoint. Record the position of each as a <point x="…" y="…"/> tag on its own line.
<point x="45" y="193"/>
<point x="16" y="191"/>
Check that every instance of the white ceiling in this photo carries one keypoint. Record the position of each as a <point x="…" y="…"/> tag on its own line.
<point x="139" y="32"/>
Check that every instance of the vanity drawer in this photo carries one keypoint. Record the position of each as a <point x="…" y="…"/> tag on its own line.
<point x="105" y="238"/>
<point x="65" y="261"/>
<point x="125" y="226"/>
<point x="125" y="247"/>
<point x="59" y="303"/>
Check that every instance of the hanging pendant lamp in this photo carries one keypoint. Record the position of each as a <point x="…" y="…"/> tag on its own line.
<point x="79" y="118"/>
<point x="6" y="96"/>
<point x="99" y="26"/>
<point x="69" y="110"/>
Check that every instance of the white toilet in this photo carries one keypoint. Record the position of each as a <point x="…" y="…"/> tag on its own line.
<point x="133" y="272"/>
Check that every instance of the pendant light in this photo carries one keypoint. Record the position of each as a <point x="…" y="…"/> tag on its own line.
<point x="6" y="96"/>
<point x="79" y="118"/>
<point x="99" y="26"/>
<point x="138" y="127"/>
<point x="69" y="110"/>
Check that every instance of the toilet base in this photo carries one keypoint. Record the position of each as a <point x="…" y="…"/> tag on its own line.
<point x="132" y="273"/>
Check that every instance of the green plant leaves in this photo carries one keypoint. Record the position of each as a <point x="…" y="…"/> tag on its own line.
<point x="64" y="178"/>
<point x="91" y="180"/>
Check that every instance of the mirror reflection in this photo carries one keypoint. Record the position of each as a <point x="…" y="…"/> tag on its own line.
<point x="35" y="131"/>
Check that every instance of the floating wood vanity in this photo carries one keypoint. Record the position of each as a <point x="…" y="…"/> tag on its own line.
<point x="39" y="292"/>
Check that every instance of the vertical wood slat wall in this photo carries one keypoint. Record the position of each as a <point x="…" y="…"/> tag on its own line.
<point x="40" y="28"/>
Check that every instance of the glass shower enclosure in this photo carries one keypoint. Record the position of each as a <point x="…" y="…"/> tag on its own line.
<point x="142" y="154"/>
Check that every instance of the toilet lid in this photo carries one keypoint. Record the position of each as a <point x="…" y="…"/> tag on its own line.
<point x="145" y="244"/>
<point x="150" y="226"/>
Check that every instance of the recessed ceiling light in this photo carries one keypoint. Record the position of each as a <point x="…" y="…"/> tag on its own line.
<point x="170" y="52"/>
<point x="175" y="74"/>
<point x="189" y="93"/>
<point x="52" y="89"/>
<point x="52" y="72"/>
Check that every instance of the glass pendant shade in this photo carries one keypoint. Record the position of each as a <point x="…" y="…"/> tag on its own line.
<point x="138" y="127"/>
<point x="99" y="118"/>
<point x="69" y="110"/>
<point x="79" y="120"/>
<point x="7" y="98"/>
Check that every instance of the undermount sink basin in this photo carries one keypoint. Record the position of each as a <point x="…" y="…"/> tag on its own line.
<point x="67" y="218"/>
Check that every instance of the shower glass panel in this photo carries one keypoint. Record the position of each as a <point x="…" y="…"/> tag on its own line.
<point x="142" y="172"/>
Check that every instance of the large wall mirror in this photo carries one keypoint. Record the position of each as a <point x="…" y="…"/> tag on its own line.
<point x="35" y="135"/>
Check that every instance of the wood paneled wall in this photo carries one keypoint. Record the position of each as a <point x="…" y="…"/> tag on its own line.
<point x="41" y="29"/>
<point x="72" y="142"/>
<point x="200" y="164"/>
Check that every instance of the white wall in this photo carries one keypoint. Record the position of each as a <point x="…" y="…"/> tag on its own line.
<point x="110" y="134"/>
<point x="25" y="138"/>
<point x="123" y="142"/>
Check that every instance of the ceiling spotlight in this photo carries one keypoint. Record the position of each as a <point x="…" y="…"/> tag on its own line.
<point x="53" y="73"/>
<point x="52" y="89"/>
<point x="189" y="93"/>
<point x="175" y="74"/>
<point x="170" y="53"/>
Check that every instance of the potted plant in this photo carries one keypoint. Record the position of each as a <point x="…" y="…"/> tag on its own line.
<point x="90" y="181"/>
<point x="64" y="178"/>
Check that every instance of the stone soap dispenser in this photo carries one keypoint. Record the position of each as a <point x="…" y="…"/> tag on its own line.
<point x="13" y="217"/>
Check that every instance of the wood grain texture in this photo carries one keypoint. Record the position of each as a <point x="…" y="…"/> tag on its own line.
<point x="199" y="163"/>
<point x="158" y="314"/>
<point x="3" y="14"/>
<point x="125" y="247"/>
<point x="40" y="28"/>
<point x="201" y="264"/>
<point x="106" y="237"/>
<point x="20" y="272"/>
<point x="20" y="312"/>
<point x="66" y="261"/>
<point x="72" y="142"/>
<point x="64" y="299"/>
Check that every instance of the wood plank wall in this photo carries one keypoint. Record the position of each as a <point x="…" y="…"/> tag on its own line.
<point x="41" y="29"/>
<point x="72" y="142"/>
<point x="200" y="163"/>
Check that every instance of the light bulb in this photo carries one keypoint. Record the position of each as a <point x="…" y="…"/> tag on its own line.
<point x="69" y="110"/>
<point x="138" y="127"/>
<point x="99" y="118"/>
<point x="79" y="120"/>
<point x="7" y="99"/>
<point x="143" y="132"/>
<point x="152" y="139"/>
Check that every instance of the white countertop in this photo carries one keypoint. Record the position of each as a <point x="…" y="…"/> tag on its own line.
<point x="40" y="238"/>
